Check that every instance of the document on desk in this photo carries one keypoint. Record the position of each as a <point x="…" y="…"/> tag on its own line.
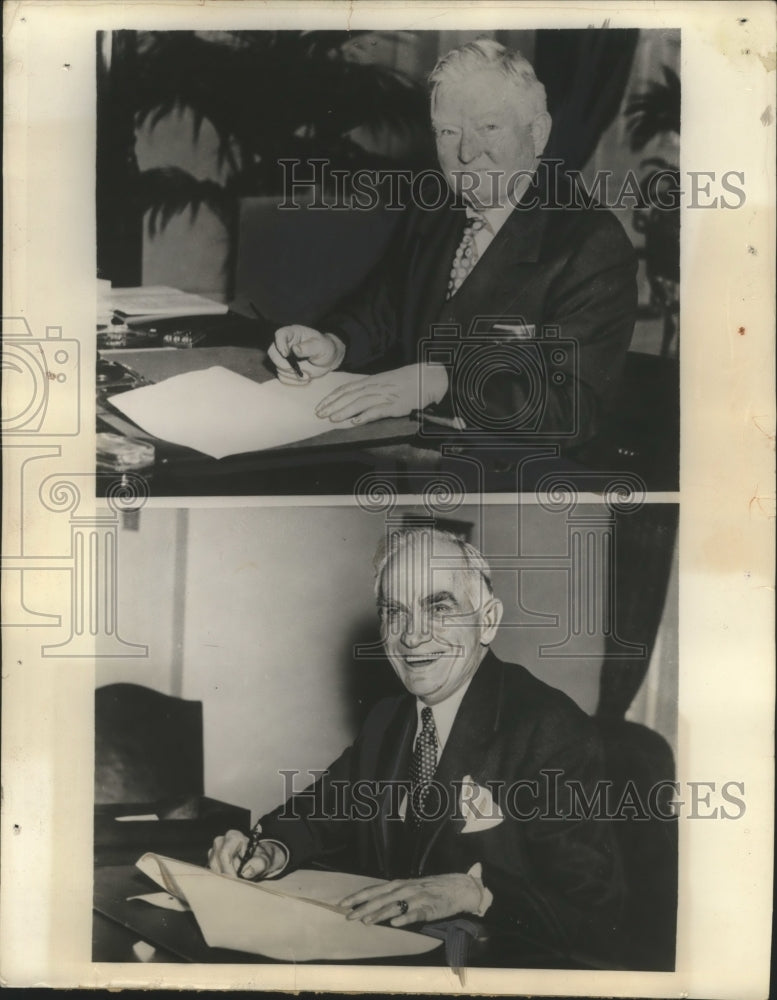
<point x="158" y="300"/>
<point x="293" y="919"/>
<point x="221" y="413"/>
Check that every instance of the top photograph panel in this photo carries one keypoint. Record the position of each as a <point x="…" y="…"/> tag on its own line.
<point x="327" y="259"/>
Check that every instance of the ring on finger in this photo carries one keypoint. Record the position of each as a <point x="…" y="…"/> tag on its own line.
<point x="403" y="906"/>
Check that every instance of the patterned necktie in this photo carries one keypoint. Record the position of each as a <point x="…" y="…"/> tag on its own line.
<point x="422" y="766"/>
<point x="466" y="254"/>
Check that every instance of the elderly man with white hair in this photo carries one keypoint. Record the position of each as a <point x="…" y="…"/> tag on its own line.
<point x="461" y="790"/>
<point x="536" y="292"/>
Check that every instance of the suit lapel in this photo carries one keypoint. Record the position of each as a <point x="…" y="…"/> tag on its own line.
<point x="469" y="740"/>
<point x="438" y="238"/>
<point x="495" y="284"/>
<point x="393" y="765"/>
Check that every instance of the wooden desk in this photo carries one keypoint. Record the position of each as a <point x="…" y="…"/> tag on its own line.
<point x="330" y="463"/>
<point x="117" y="841"/>
<point x="119" y="923"/>
<point x="642" y="438"/>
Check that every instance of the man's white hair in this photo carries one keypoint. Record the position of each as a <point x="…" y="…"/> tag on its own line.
<point x="472" y="561"/>
<point x="485" y="53"/>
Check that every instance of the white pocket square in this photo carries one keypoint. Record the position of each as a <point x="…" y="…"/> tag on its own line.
<point x="478" y="808"/>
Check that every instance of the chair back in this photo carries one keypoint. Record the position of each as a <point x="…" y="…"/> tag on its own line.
<point x="148" y="746"/>
<point x="296" y="264"/>
<point x="641" y="431"/>
<point x="640" y="766"/>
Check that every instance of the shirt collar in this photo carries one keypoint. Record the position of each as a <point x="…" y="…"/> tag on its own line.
<point x="496" y="216"/>
<point x="444" y="713"/>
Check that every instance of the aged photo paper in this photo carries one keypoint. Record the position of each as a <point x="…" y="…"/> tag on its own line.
<point x="388" y="522"/>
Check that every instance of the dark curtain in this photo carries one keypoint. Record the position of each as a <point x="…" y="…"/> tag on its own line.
<point x="643" y="557"/>
<point x="585" y="75"/>
<point x="636" y="756"/>
<point x="119" y="217"/>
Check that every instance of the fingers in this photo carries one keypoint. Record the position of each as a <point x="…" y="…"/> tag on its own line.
<point x="377" y="412"/>
<point x="417" y="912"/>
<point x="365" y="408"/>
<point x="315" y="353"/>
<point x="227" y="851"/>
<point x="361" y="402"/>
<point x="345" y="394"/>
<point x="287" y="337"/>
<point x="410" y="901"/>
<point x="370" y="892"/>
<point x="304" y="342"/>
<point x="376" y="904"/>
<point x="382" y="903"/>
<point x="258" y="864"/>
<point x="377" y="912"/>
<point x="286" y="373"/>
<point x="389" y="906"/>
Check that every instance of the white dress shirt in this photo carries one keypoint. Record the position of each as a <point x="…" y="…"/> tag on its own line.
<point x="495" y="219"/>
<point x="444" y="713"/>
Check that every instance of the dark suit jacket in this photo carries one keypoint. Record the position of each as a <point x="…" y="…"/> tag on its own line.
<point x="569" y="272"/>
<point x="556" y="881"/>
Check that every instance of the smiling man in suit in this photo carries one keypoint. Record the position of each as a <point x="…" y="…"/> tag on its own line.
<point x="458" y="791"/>
<point x="509" y="256"/>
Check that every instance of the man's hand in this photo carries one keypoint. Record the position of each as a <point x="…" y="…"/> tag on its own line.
<point x="432" y="898"/>
<point x="316" y="353"/>
<point x="227" y="853"/>
<point x="390" y="394"/>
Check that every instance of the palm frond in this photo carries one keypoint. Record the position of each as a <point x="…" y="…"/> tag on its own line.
<point x="165" y="192"/>
<point x="654" y="111"/>
<point x="266" y="84"/>
<point x="268" y="95"/>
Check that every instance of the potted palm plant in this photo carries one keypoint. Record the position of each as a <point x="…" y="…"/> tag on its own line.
<point x="269" y="95"/>
<point x="651" y="114"/>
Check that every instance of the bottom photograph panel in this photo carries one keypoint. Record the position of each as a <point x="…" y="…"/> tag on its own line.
<point x="429" y="734"/>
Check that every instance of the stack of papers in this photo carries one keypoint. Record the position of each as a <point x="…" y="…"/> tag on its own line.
<point x="160" y="300"/>
<point x="294" y="919"/>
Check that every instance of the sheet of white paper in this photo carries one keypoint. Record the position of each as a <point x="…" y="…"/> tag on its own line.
<point x="327" y="887"/>
<point x="145" y="817"/>
<point x="257" y="918"/>
<point x="220" y="413"/>
<point x="161" y="300"/>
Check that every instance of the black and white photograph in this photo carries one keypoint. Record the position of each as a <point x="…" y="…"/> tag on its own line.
<point x="377" y="733"/>
<point x="404" y="252"/>
<point x="388" y="524"/>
